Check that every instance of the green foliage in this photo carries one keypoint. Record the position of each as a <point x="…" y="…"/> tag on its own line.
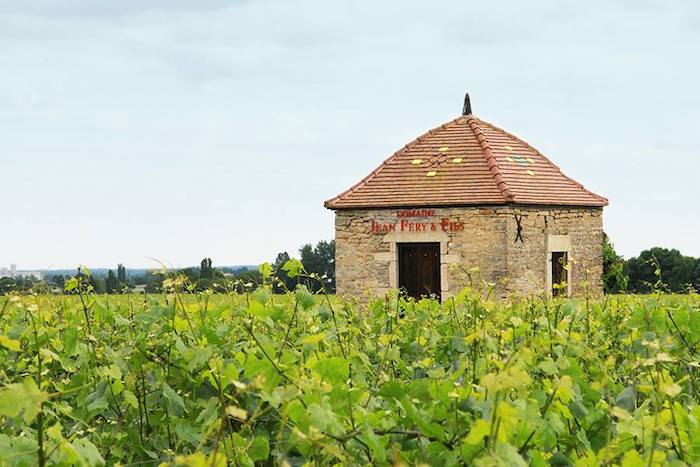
<point x="111" y="283"/>
<point x="281" y="269"/>
<point x="266" y="270"/>
<point x="121" y="273"/>
<point x="18" y="284"/>
<point x="206" y="271"/>
<point x="293" y="268"/>
<point x="319" y="261"/>
<point x="22" y="398"/>
<point x="614" y="278"/>
<point x="663" y="268"/>
<point x="201" y="379"/>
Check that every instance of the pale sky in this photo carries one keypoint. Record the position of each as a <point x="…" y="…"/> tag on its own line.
<point x="176" y="130"/>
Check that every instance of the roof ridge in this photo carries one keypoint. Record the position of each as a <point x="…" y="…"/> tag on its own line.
<point x="578" y="184"/>
<point x="490" y="158"/>
<point x="329" y="203"/>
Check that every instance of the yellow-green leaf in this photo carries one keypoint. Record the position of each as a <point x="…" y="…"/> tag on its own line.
<point x="313" y="339"/>
<point x="9" y="343"/>
<point x="478" y="432"/>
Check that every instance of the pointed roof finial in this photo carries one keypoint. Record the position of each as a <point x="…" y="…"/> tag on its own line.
<point x="467" y="109"/>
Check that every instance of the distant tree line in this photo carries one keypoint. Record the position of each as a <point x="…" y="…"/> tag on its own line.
<point x="654" y="269"/>
<point x="19" y="284"/>
<point x="318" y="262"/>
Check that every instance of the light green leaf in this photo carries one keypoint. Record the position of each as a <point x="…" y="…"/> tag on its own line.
<point x="670" y="388"/>
<point x="548" y="366"/>
<point x="54" y="432"/>
<point x="256" y="367"/>
<point x="376" y="444"/>
<point x="70" y="341"/>
<point x="258" y="310"/>
<point x="324" y="418"/>
<point x="507" y="454"/>
<point x="88" y="452"/>
<point x="334" y="370"/>
<point x="70" y="284"/>
<point x="259" y="449"/>
<point x="112" y="371"/>
<point x="19" y="451"/>
<point x="174" y="398"/>
<point x="260" y="295"/>
<point x="313" y="339"/>
<point x="694" y="325"/>
<point x="295" y="409"/>
<point x="130" y="399"/>
<point x="121" y="321"/>
<point x="633" y="459"/>
<point x="25" y="398"/>
<point x="537" y="459"/>
<point x="188" y="432"/>
<point x="266" y="270"/>
<point x="305" y="298"/>
<point x="293" y="268"/>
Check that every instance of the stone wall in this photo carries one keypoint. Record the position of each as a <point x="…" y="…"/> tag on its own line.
<point x="528" y="260"/>
<point x="485" y="240"/>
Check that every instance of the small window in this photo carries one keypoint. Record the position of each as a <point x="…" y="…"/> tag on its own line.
<point x="559" y="274"/>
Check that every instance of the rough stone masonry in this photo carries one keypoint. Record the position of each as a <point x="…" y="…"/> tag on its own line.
<point x="366" y="259"/>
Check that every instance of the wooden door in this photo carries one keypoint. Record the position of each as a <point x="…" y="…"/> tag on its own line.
<point x="419" y="269"/>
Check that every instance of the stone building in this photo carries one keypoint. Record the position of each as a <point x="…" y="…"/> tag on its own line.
<point x="468" y="198"/>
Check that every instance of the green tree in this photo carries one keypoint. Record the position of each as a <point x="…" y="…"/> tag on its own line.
<point x="7" y="285"/>
<point x="121" y="273"/>
<point x="205" y="269"/>
<point x="247" y="279"/>
<point x="153" y="282"/>
<point x="615" y="279"/>
<point x="320" y="260"/>
<point x="284" y="282"/>
<point x="98" y="284"/>
<point x="675" y="271"/>
<point x="191" y="273"/>
<point x="57" y="281"/>
<point x="210" y="278"/>
<point x="112" y="283"/>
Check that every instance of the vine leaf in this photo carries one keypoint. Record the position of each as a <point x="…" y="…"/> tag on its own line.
<point x="293" y="268"/>
<point x="9" y="343"/>
<point x="335" y="370"/>
<point x="259" y="449"/>
<point x="25" y="398"/>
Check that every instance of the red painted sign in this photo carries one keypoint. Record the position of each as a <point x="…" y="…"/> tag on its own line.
<point x="416" y="213"/>
<point x="405" y="225"/>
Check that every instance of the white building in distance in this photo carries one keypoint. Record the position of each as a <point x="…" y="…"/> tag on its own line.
<point x="13" y="273"/>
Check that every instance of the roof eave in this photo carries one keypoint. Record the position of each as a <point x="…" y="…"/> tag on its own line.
<point x="340" y="207"/>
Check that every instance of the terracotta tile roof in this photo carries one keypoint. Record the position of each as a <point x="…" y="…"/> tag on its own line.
<point x="467" y="162"/>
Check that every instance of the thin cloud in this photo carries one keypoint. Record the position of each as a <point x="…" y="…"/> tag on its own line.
<point x="158" y="121"/>
<point x="90" y="8"/>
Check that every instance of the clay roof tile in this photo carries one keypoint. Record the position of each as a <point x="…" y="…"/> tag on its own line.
<point x="467" y="162"/>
